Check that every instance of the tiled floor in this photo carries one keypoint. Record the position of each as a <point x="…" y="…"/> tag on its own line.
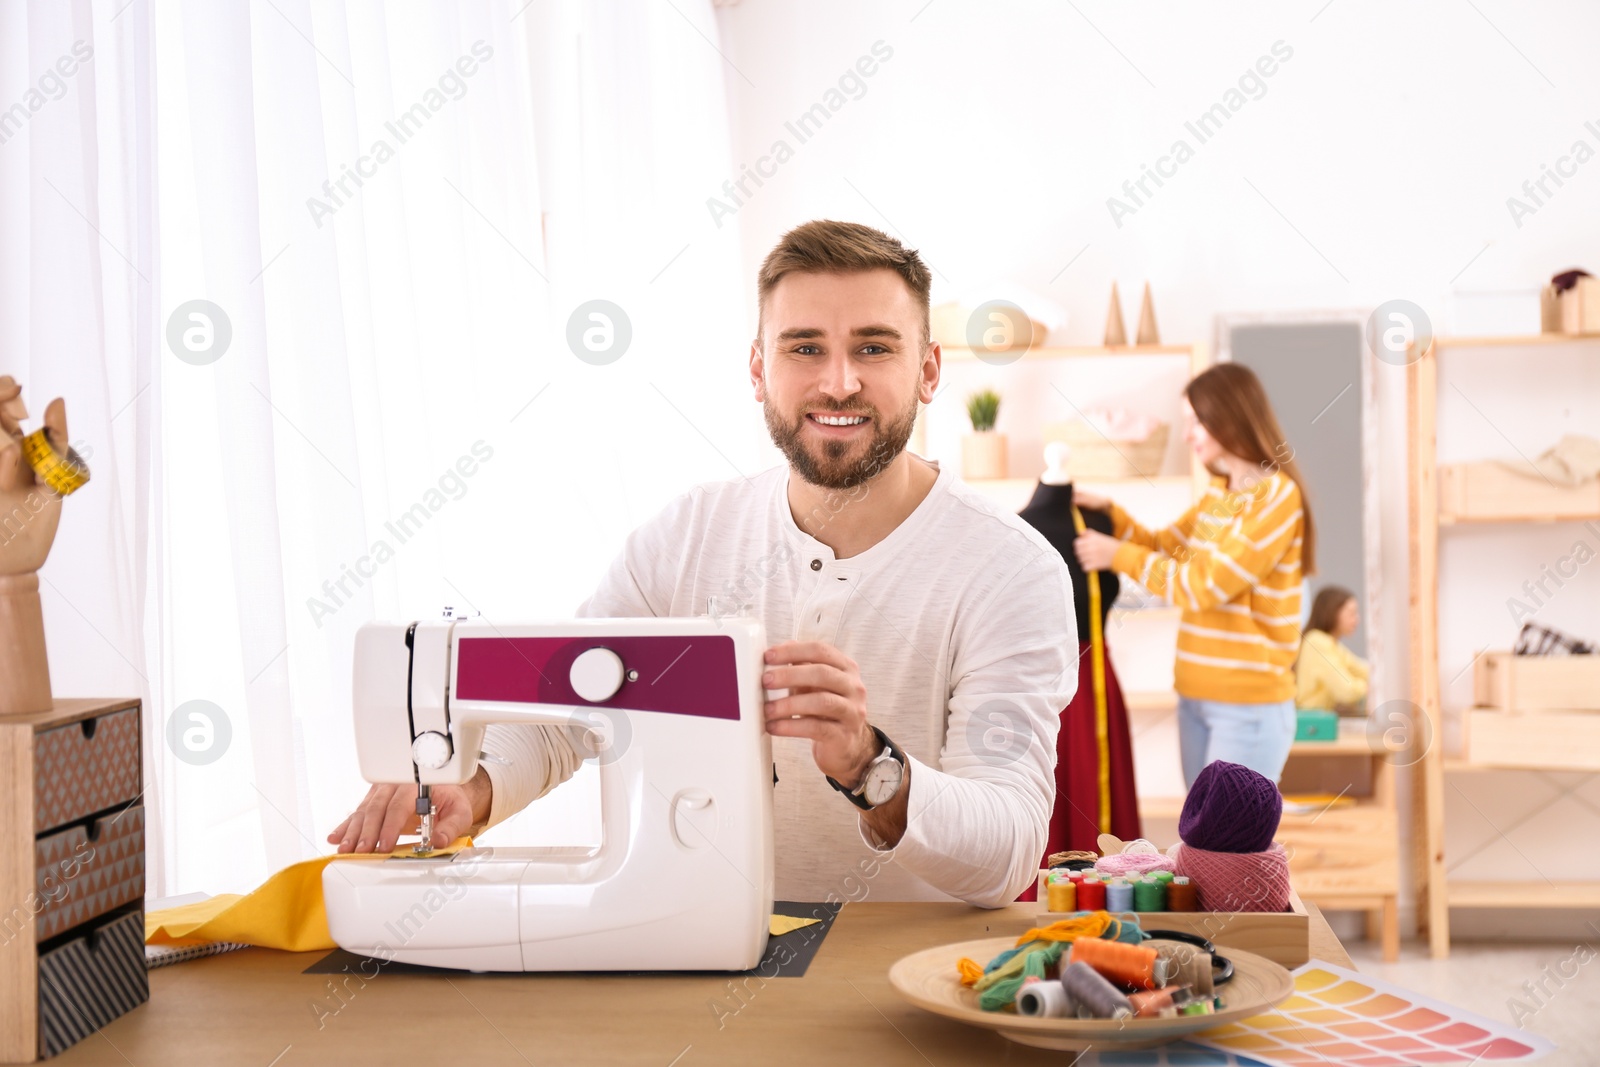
<point x="1560" y="1002"/>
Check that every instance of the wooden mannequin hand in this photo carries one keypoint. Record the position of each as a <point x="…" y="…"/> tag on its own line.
<point x="34" y="508"/>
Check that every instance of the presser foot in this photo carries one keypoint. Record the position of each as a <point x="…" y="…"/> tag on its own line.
<point x="425" y="810"/>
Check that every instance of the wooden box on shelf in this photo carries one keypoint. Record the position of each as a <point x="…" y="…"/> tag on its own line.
<point x="1574" y="311"/>
<point x="1536" y="683"/>
<point x="1489" y="492"/>
<point x="1284" y="937"/>
<point x="71" y="874"/>
<point x="1553" y="740"/>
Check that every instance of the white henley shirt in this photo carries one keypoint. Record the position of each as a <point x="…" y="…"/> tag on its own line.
<point x="962" y="624"/>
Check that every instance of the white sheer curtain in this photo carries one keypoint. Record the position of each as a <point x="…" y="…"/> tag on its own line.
<point x="394" y="210"/>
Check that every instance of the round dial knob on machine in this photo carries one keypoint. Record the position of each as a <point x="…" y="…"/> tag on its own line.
<point x="597" y="674"/>
<point x="430" y="750"/>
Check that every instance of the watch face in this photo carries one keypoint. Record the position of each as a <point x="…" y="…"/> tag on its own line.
<point x="883" y="780"/>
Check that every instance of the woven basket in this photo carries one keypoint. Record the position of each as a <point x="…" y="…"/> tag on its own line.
<point x="1096" y="459"/>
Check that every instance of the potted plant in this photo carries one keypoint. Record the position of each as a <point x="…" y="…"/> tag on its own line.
<point x="983" y="452"/>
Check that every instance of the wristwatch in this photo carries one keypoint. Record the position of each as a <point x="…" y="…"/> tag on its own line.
<point x="883" y="778"/>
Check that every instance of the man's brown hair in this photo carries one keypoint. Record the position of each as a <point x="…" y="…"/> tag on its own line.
<point x="824" y="246"/>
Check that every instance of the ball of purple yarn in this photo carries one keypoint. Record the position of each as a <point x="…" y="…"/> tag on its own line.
<point x="1230" y="808"/>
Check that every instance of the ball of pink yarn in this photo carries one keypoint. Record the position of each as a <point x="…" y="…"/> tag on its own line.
<point x="1120" y="864"/>
<point x="1237" y="881"/>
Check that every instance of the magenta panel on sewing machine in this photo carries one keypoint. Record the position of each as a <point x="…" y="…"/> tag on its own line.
<point x="675" y="675"/>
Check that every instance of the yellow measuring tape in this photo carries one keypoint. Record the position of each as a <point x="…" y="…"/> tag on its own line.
<point x="1097" y="649"/>
<point x="65" y="474"/>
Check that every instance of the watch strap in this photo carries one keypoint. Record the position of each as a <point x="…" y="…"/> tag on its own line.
<point x="856" y="796"/>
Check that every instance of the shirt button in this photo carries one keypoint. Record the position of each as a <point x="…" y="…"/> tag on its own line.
<point x="816" y="564"/>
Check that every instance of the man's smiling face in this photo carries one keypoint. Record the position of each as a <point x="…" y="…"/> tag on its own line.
<point x="839" y="369"/>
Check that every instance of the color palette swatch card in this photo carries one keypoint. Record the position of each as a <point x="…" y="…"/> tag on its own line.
<point x="1344" y="1017"/>
<point x="1177" y="1054"/>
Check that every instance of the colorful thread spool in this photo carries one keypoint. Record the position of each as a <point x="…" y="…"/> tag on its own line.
<point x="1139" y="966"/>
<point x="1164" y="877"/>
<point x="1061" y="896"/>
<point x="1091" y="894"/>
<point x="1119" y="895"/>
<point x="1150" y="1003"/>
<point x="1096" y="998"/>
<point x="1045" y="1000"/>
<point x="1183" y="894"/>
<point x="1149" y="894"/>
<point x="1192" y="966"/>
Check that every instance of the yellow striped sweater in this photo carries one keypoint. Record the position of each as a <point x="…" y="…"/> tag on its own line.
<point x="1232" y="563"/>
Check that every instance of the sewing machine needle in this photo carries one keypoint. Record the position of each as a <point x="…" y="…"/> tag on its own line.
<point x="425" y="809"/>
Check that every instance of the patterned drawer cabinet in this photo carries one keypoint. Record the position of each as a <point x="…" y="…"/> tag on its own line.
<point x="71" y="874"/>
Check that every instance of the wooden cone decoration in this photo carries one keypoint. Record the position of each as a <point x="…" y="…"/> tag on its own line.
<point x="1116" y="332"/>
<point x="1149" y="334"/>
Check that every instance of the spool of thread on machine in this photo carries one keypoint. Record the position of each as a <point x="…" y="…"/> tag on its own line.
<point x="1096" y="998"/>
<point x="1119" y="895"/>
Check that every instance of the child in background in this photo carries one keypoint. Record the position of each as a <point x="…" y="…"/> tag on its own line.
<point x="1328" y="676"/>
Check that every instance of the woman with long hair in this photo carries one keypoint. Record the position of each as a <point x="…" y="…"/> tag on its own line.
<point x="1234" y="563"/>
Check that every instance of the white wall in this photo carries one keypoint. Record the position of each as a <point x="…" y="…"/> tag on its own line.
<point x="1373" y="164"/>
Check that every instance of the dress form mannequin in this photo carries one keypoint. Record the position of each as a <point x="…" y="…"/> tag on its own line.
<point x="1095" y="790"/>
<point x="1050" y="512"/>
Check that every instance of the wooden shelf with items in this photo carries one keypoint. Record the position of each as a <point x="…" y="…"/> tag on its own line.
<point x="1439" y="498"/>
<point x="1008" y="490"/>
<point x="959" y="353"/>
<point x="1527" y="894"/>
<point x="1490" y="492"/>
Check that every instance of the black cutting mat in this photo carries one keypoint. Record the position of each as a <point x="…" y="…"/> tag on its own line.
<point x="787" y="956"/>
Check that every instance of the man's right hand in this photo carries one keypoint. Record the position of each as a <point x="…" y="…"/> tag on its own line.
<point x="391" y="810"/>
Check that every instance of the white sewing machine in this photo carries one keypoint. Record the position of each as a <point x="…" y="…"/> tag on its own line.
<point x="683" y="876"/>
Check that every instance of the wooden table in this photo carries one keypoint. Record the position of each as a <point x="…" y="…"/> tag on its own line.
<point x="255" y="1007"/>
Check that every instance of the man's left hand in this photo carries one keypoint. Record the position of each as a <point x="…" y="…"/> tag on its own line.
<point x="827" y="702"/>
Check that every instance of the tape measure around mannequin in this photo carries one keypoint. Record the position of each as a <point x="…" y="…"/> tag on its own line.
<point x="65" y="474"/>
<point x="1097" y="649"/>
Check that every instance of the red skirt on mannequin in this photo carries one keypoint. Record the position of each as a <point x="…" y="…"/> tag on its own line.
<point x="1075" y="822"/>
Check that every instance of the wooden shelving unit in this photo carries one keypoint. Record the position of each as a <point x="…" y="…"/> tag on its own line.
<point x="1431" y="511"/>
<point x="956" y="352"/>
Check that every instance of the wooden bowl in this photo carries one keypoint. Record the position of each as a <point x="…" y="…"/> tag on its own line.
<point x="929" y="980"/>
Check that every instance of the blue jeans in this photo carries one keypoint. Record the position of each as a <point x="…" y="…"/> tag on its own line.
<point x="1256" y="735"/>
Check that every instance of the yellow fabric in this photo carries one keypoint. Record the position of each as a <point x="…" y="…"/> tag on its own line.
<point x="1328" y="675"/>
<point x="1232" y="564"/>
<point x="782" y="924"/>
<point x="1097" y="674"/>
<point x="287" y="912"/>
